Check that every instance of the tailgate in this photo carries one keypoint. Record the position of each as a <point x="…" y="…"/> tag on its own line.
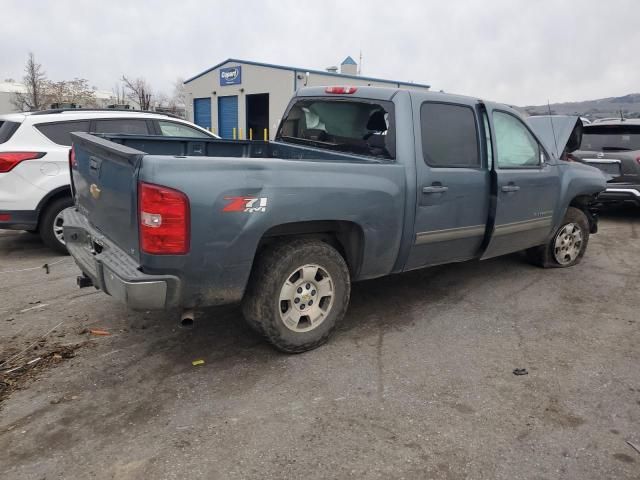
<point x="104" y="177"/>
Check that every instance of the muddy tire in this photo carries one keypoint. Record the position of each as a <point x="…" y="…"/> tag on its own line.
<point x="297" y="293"/>
<point x="51" y="224"/>
<point x="567" y="245"/>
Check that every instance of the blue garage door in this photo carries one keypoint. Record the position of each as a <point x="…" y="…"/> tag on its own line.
<point x="202" y="112"/>
<point x="227" y="116"/>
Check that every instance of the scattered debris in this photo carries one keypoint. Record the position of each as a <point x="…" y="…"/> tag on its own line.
<point x="520" y="371"/>
<point x="15" y="377"/>
<point x="634" y="446"/>
<point x="21" y="352"/>
<point x="195" y="363"/>
<point x="35" y="307"/>
<point x="99" y="332"/>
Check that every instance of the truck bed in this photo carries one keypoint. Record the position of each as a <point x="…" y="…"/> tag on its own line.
<point x="295" y="184"/>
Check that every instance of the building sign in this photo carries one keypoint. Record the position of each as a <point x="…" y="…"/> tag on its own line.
<point x="230" y="76"/>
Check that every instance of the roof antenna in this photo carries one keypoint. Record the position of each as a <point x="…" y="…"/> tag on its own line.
<point x="553" y="130"/>
<point x="360" y="64"/>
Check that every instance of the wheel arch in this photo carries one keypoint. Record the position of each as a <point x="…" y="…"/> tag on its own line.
<point x="53" y="195"/>
<point x="585" y="204"/>
<point x="345" y="236"/>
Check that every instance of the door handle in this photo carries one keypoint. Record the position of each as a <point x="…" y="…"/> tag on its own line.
<point x="510" y="188"/>
<point x="435" y="189"/>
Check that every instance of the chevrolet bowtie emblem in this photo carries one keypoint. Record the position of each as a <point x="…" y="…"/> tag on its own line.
<point x="94" y="190"/>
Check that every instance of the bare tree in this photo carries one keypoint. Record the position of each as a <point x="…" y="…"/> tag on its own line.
<point x="139" y="91"/>
<point x="119" y="94"/>
<point x="76" y="91"/>
<point x="179" y="98"/>
<point x="35" y="96"/>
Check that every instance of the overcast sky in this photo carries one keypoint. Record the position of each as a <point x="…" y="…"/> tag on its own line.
<point x="515" y="51"/>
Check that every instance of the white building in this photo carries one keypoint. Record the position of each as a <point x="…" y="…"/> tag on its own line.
<point x="8" y="89"/>
<point x="246" y="96"/>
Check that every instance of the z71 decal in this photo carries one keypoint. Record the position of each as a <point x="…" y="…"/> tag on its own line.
<point x="245" y="204"/>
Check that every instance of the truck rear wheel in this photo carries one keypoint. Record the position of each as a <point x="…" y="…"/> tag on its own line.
<point x="297" y="293"/>
<point x="51" y="224"/>
<point x="568" y="244"/>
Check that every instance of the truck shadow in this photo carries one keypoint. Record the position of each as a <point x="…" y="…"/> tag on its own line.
<point x="385" y="303"/>
<point x="23" y="245"/>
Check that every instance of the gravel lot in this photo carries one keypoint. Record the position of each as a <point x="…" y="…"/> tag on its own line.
<point x="416" y="384"/>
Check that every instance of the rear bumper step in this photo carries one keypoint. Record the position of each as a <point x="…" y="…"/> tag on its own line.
<point x="113" y="271"/>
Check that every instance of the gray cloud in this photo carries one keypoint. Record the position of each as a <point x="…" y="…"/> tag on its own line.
<point x="514" y="51"/>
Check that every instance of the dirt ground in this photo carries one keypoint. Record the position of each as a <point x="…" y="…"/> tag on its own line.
<point x="417" y="383"/>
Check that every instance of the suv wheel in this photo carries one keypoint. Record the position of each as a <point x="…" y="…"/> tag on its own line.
<point x="567" y="246"/>
<point x="297" y="293"/>
<point x="51" y="224"/>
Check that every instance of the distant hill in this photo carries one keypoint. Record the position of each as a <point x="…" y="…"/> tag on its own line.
<point x="601" y="108"/>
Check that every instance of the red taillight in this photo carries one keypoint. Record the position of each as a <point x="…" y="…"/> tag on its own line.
<point x="164" y="220"/>
<point x="638" y="160"/>
<point x="5" y="217"/>
<point x="8" y="160"/>
<point x="72" y="159"/>
<point x="341" y="90"/>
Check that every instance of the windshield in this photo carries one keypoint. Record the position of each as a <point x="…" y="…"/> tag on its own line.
<point x="611" y="137"/>
<point x="358" y="126"/>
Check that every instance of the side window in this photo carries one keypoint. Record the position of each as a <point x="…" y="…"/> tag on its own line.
<point x="517" y="148"/>
<point x="175" y="129"/>
<point x="135" y="126"/>
<point x="60" y="132"/>
<point x="449" y="135"/>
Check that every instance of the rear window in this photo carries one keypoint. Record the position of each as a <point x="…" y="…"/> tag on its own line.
<point x="361" y="127"/>
<point x="7" y="129"/>
<point x="132" y="126"/>
<point x="60" y="132"/>
<point x="449" y="135"/>
<point x="611" y="137"/>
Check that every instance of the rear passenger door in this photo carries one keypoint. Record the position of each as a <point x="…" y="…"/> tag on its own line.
<point x="527" y="186"/>
<point x="453" y="184"/>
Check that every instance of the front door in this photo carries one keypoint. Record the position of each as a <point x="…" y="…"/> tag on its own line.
<point x="528" y="187"/>
<point x="453" y="184"/>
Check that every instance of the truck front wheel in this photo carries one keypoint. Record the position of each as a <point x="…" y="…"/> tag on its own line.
<point x="297" y="293"/>
<point x="568" y="244"/>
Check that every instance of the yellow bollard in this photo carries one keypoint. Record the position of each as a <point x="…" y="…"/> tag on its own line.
<point x="240" y="134"/>
<point x="251" y="134"/>
<point x="234" y="133"/>
<point x="266" y="134"/>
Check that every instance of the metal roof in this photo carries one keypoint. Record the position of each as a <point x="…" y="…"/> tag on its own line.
<point x="348" y="61"/>
<point x="298" y="69"/>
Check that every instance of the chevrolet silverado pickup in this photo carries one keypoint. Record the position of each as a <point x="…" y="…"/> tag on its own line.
<point x="360" y="182"/>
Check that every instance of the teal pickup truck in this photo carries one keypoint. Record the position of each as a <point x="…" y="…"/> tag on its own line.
<point x="359" y="183"/>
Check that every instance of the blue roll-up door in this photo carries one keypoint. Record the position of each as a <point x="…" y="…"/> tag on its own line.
<point x="202" y="112"/>
<point x="227" y="116"/>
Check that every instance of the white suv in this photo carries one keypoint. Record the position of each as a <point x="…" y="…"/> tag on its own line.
<point x="34" y="168"/>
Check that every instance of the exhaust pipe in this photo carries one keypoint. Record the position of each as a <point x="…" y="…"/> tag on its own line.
<point x="187" y="318"/>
